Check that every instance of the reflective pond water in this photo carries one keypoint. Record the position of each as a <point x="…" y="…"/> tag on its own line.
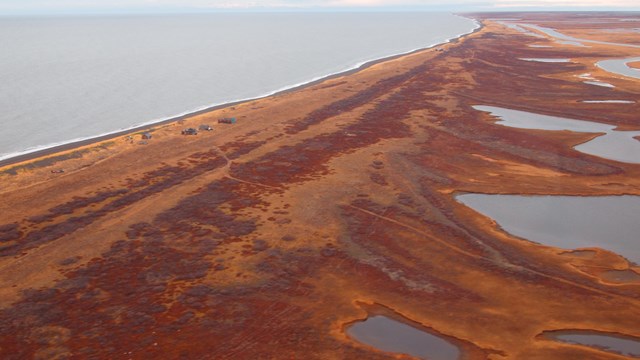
<point x="599" y="83"/>
<point x="624" y="345"/>
<point x="569" y="222"/>
<point x="616" y="66"/>
<point x="572" y="40"/>
<point x="619" y="66"/>
<point x="607" y="102"/>
<point x="547" y="60"/>
<point x="614" y="145"/>
<point x="390" y="335"/>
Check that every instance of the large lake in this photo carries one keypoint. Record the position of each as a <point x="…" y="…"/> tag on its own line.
<point x="71" y="78"/>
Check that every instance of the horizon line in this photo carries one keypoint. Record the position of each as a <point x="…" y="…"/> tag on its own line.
<point x="204" y="11"/>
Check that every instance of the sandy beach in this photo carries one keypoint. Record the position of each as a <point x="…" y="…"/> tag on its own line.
<point x="324" y="205"/>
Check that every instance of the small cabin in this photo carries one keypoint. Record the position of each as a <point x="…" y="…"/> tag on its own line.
<point x="190" y="131"/>
<point x="227" y="120"/>
<point x="146" y="136"/>
<point x="205" y="127"/>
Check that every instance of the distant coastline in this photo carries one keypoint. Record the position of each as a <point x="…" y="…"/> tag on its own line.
<point x="47" y="150"/>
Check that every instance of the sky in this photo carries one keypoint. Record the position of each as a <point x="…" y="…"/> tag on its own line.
<point x="9" y="7"/>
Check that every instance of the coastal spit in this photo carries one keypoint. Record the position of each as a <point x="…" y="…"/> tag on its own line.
<point x="321" y="207"/>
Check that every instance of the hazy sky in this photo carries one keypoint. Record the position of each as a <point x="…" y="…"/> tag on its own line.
<point x="110" y="6"/>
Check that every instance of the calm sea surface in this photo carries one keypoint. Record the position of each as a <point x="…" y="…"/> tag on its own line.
<point x="66" y="79"/>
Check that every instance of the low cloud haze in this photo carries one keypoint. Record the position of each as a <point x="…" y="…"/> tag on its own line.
<point x="8" y="7"/>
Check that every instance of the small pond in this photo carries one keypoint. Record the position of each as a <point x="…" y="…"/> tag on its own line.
<point x="620" y="67"/>
<point x="614" y="145"/>
<point x="569" y="222"/>
<point x="547" y="60"/>
<point x="520" y="29"/>
<point x="573" y="40"/>
<point x="616" y="66"/>
<point x="599" y="83"/>
<point x="607" y="102"/>
<point x="389" y="335"/>
<point x="619" y="344"/>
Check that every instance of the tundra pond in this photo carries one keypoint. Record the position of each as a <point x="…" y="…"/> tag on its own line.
<point x="569" y="222"/>
<point x="389" y="335"/>
<point x="619" y="344"/>
<point x="613" y="145"/>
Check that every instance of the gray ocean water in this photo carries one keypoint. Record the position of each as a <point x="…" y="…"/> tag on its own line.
<point x="64" y="79"/>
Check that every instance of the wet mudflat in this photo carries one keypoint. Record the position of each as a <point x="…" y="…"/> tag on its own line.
<point x="390" y="335"/>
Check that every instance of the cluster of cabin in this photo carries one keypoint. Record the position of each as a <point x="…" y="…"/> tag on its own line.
<point x="194" y="131"/>
<point x="205" y="127"/>
<point x="227" y="120"/>
<point x="144" y="137"/>
<point x="188" y="131"/>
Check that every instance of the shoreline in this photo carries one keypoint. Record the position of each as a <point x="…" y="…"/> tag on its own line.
<point x="73" y="144"/>
<point x="337" y="200"/>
